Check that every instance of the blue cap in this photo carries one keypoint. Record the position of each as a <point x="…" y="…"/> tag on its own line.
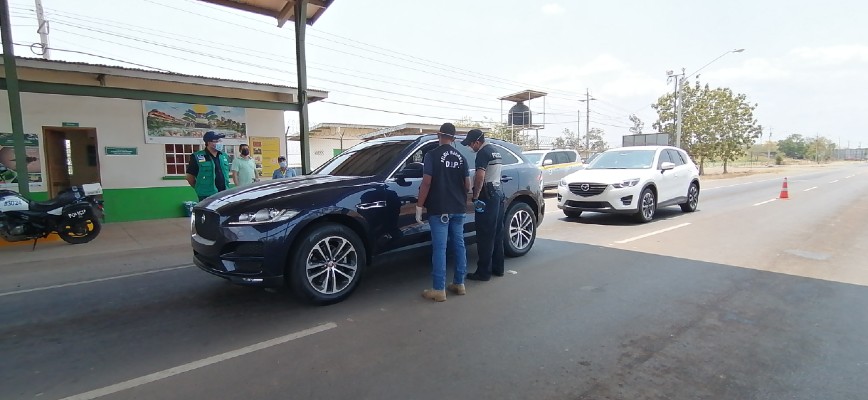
<point x="472" y="136"/>
<point x="211" y="136"/>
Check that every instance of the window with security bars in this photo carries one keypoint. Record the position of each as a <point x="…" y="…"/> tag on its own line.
<point x="178" y="155"/>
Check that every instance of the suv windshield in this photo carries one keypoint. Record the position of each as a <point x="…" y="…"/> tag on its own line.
<point x="365" y="159"/>
<point x="624" y="159"/>
<point x="533" y="158"/>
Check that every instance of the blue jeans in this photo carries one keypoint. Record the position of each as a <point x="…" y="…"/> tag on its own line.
<point x="454" y="229"/>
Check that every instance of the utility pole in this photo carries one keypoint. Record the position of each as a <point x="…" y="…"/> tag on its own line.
<point x="588" y="122"/>
<point x="679" y="98"/>
<point x="769" y="156"/>
<point x="578" y="128"/>
<point x="587" y="101"/>
<point x="42" y="30"/>
<point x="817" y="140"/>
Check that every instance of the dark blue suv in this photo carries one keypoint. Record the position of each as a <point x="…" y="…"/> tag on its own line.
<point x="317" y="233"/>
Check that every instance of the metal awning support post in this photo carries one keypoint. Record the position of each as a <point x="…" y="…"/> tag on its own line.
<point x="301" y="63"/>
<point x="14" y="99"/>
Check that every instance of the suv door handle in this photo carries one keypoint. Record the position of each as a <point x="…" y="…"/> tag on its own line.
<point x="505" y="178"/>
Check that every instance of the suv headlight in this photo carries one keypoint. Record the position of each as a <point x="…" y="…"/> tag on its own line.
<point x="626" y="183"/>
<point x="263" y="216"/>
<point x="562" y="183"/>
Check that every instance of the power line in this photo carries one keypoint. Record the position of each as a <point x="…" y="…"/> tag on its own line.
<point x="186" y="50"/>
<point x="161" y="44"/>
<point x="451" y="68"/>
<point x="173" y="36"/>
<point x="260" y="66"/>
<point x="30" y="46"/>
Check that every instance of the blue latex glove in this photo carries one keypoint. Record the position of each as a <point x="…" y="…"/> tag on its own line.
<point x="479" y="205"/>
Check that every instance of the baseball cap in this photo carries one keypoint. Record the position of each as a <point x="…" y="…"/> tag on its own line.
<point x="472" y="136"/>
<point x="447" y="129"/>
<point x="211" y="136"/>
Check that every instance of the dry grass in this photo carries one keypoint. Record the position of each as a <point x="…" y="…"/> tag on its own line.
<point x="716" y="172"/>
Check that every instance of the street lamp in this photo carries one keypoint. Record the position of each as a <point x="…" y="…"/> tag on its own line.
<point x="678" y="91"/>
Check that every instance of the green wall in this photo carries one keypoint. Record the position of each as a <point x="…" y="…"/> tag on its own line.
<point x="146" y="203"/>
<point x="39" y="196"/>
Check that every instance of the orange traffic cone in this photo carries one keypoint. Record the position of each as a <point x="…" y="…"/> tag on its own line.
<point x="785" y="193"/>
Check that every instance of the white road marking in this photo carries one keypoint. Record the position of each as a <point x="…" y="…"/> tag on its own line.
<point x="835" y="181"/>
<point x="765" y="202"/>
<point x="810" y="189"/>
<point x="742" y="184"/>
<point x="848" y="177"/>
<point x="652" y="233"/>
<point x="199" y="364"/>
<point x="93" y="280"/>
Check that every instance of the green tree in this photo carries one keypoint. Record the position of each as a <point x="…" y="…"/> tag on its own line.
<point x="497" y="130"/>
<point x="819" y="149"/>
<point x="637" y="125"/>
<point x="595" y="141"/>
<point x="735" y="125"/>
<point x="716" y="124"/>
<point x="794" y="146"/>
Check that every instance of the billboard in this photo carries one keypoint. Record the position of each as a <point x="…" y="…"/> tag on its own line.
<point x="646" y="139"/>
<point x="187" y="123"/>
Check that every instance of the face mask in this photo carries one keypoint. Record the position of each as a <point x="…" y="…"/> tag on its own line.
<point x="218" y="147"/>
<point x="283" y="165"/>
<point x="245" y="152"/>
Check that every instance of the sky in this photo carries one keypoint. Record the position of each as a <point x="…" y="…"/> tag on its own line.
<point x="386" y="62"/>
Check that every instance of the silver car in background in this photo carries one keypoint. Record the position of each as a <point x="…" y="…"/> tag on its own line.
<point x="555" y="164"/>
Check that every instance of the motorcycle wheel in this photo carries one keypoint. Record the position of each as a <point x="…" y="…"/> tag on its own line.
<point x="79" y="231"/>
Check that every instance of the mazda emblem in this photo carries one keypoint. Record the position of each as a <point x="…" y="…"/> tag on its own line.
<point x="585" y="187"/>
<point x="202" y="218"/>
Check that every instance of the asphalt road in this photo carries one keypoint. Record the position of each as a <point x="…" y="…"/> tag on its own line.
<point x="745" y="299"/>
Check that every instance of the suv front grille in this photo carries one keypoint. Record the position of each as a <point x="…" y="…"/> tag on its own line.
<point x="207" y="224"/>
<point x="587" y="189"/>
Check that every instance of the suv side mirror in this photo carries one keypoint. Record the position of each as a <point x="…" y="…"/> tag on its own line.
<point x="547" y="161"/>
<point x="666" y="166"/>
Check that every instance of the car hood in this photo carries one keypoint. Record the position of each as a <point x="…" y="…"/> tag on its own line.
<point x="262" y="194"/>
<point x="607" y="176"/>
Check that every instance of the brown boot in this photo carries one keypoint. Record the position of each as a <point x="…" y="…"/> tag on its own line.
<point x="457" y="289"/>
<point x="436" y="295"/>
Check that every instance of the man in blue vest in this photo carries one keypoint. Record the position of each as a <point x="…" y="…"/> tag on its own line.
<point x="443" y="192"/>
<point x="208" y="169"/>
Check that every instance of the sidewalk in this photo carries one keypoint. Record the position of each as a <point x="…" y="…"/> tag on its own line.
<point x="116" y="237"/>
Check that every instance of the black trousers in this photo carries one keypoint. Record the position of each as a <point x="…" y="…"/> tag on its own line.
<point x="489" y="237"/>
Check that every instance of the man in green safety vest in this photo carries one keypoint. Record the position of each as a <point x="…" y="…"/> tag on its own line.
<point x="208" y="169"/>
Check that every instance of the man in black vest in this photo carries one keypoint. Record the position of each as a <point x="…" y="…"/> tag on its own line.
<point x="445" y="183"/>
<point x="488" y="201"/>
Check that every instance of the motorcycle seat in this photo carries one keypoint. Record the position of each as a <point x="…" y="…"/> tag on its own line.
<point x="57" y="202"/>
<point x="46" y="206"/>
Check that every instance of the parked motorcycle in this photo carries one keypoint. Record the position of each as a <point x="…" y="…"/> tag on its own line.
<point x="75" y="215"/>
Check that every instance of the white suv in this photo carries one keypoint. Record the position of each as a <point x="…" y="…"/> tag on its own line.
<point x="632" y="180"/>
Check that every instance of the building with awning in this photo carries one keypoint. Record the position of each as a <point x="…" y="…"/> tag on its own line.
<point x="102" y="127"/>
<point x="133" y="130"/>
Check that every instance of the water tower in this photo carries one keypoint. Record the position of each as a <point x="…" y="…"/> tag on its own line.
<point x="520" y="117"/>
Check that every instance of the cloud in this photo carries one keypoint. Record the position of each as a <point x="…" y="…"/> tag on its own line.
<point x="832" y="55"/>
<point x="553" y="9"/>
<point x="609" y="75"/>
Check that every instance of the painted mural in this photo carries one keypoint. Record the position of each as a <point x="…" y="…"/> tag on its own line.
<point x="187" y="123"/>
<point x="8" y="162"/>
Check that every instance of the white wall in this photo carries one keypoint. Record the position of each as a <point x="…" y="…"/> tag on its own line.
<point x="322" y="149"/>
<point x="118" y="123"/>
